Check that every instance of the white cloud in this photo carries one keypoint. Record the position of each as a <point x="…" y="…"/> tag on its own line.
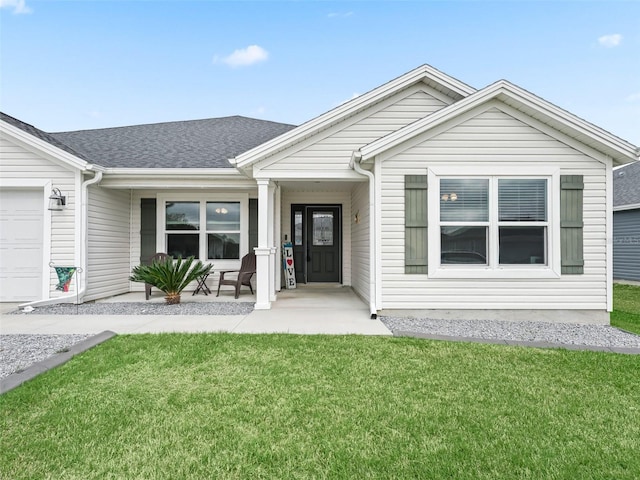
<point x="19" y="6"/>
<point x="244" y="57"/>
<point x="610" y="41"/>
<point x="634" y="97"/>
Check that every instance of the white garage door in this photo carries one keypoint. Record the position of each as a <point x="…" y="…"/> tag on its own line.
<point x="21" y="231"/>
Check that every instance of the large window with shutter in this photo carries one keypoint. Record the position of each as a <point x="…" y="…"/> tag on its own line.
<point x="493" y="221"/>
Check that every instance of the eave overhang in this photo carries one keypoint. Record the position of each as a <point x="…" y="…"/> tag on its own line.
<point x="619" y="150"/>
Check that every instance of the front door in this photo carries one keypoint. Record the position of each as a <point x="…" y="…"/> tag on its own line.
<point x="317" y="243"/>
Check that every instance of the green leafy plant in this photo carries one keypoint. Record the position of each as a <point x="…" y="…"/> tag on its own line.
<point x="169" y="275"/>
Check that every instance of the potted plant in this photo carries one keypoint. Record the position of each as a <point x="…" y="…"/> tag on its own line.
<point x="170" y="276"/>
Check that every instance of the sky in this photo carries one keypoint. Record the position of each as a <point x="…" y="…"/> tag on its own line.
<point x="75" y="65"/>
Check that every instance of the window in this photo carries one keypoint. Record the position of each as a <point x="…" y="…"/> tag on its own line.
<point x="223" y="230"/>
<point x="204" y="229"/>
<point x="464" y="221"/>
<point x="492" y="223"/>
<point x="182" y="220"/>
<point x="522" y="221"/>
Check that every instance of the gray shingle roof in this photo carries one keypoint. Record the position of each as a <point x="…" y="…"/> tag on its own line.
<point x="36" y="132"/>
<point x="626" y="185"/>
<point x="205" y="143"/>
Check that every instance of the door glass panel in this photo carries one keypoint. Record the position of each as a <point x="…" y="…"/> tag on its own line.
<point x="297" y="228"/>
<point x="322" y="228"/>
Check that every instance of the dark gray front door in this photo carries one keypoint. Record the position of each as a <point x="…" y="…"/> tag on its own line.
<point x="317" y="241"/>
<point x="323" y="244"/>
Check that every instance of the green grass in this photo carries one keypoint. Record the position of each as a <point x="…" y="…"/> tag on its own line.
<point x="626" y="307"/>
<point x="284" y="406"/>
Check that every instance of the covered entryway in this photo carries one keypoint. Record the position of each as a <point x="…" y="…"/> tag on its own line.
<point x="317" y="240"/>
<point x="21" y="244"/>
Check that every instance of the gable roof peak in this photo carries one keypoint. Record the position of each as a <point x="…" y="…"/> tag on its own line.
<point x="427" y="74"/>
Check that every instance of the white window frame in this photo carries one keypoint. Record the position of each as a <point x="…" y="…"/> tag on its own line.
<point x="219" y="264"/>
<point x="493" y="269"/>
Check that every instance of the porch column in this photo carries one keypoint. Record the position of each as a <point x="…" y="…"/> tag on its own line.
<point x="278" y="238"/>
<point x="272" y="244"/>
<point x="263" y="251"/>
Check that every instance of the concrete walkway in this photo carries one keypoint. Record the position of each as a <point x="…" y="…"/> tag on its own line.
<point x="321" y="309"/>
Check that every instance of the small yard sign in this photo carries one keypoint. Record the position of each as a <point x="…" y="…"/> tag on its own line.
<point x="289" y="269"/>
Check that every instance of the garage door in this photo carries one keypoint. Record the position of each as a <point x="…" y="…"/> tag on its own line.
<point x="21" y="231"/>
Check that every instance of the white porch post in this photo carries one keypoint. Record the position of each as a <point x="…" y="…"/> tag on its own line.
<point x="263" y="251"/>
<point x="272" y="244"/>
<point x="278" y="238"/>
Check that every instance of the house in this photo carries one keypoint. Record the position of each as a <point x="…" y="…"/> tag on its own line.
<point x="422" y="194"/>
<point x="626" y="223"/>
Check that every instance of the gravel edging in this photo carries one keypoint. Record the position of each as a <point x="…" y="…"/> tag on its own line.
<point x="536" y="334"/>
<point x="139" y="308"/>
<point x="44" y="352"/>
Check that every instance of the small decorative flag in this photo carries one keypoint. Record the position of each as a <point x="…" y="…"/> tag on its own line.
<point x="65" y="274"/>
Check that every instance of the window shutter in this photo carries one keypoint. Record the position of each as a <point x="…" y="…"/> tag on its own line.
<point x="415" y="224"/>
<point x="571" y="224"/>
<point x="147" y="229"/>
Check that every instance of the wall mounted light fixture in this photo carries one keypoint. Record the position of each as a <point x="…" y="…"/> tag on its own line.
<point x="57" y="201"/>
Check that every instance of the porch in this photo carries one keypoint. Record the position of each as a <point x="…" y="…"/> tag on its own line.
<point x="309" y="309"/>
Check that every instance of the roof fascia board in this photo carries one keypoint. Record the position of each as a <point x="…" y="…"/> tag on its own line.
<point x="502" y="90"/>
<point x="174" y="179"/>
<point x="309" y="175"/>
<point x="50" y="151"/>
<point x="631" y="206"/>
<point x="422" y="73"/>
<point x="179" y="172"/>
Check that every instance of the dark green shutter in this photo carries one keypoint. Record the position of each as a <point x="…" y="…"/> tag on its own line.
<point x="147" y="229"/>
<point x="415" y="224"/>
<point x="571" y="224"/>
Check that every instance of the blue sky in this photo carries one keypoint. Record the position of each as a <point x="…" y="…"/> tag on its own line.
<point x="70" y="65"/>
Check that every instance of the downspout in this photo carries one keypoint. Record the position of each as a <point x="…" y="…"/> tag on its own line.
<point x="83" y="249"/>
<point x="354" y="164"/>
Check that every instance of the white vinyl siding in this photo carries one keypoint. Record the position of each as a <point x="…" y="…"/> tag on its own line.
<point x="108" y="264"/>
<point x="332" y="148"/>
<point x="18" y="163"/>
<point x="494" y="140"/>
<point x="360" y="242"/>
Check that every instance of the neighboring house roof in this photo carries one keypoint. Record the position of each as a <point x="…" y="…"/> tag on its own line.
<point x="626" y="185"/>
<point x="560" y="120"/>
<point x="36" y="132"/>
<point x="449" y="86"/>
<point x="207" y="143"/>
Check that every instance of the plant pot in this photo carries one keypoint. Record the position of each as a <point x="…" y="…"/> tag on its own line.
<point x="172" y="299"/>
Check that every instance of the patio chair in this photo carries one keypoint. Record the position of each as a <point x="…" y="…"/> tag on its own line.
<point x="247" y="269"/>
<point x="156" y="257"/>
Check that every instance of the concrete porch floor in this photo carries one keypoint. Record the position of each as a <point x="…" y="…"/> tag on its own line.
<point x="309" y="309"/>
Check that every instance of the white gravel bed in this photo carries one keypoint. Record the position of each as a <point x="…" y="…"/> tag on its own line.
<point x="557" y="333"/>
<point x="139" y="308"/>
<point x="18" y="352"/>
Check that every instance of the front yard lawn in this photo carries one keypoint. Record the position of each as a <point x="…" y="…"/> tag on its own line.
<point x="626" y="307"/>
<point x="284" y="406"/>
